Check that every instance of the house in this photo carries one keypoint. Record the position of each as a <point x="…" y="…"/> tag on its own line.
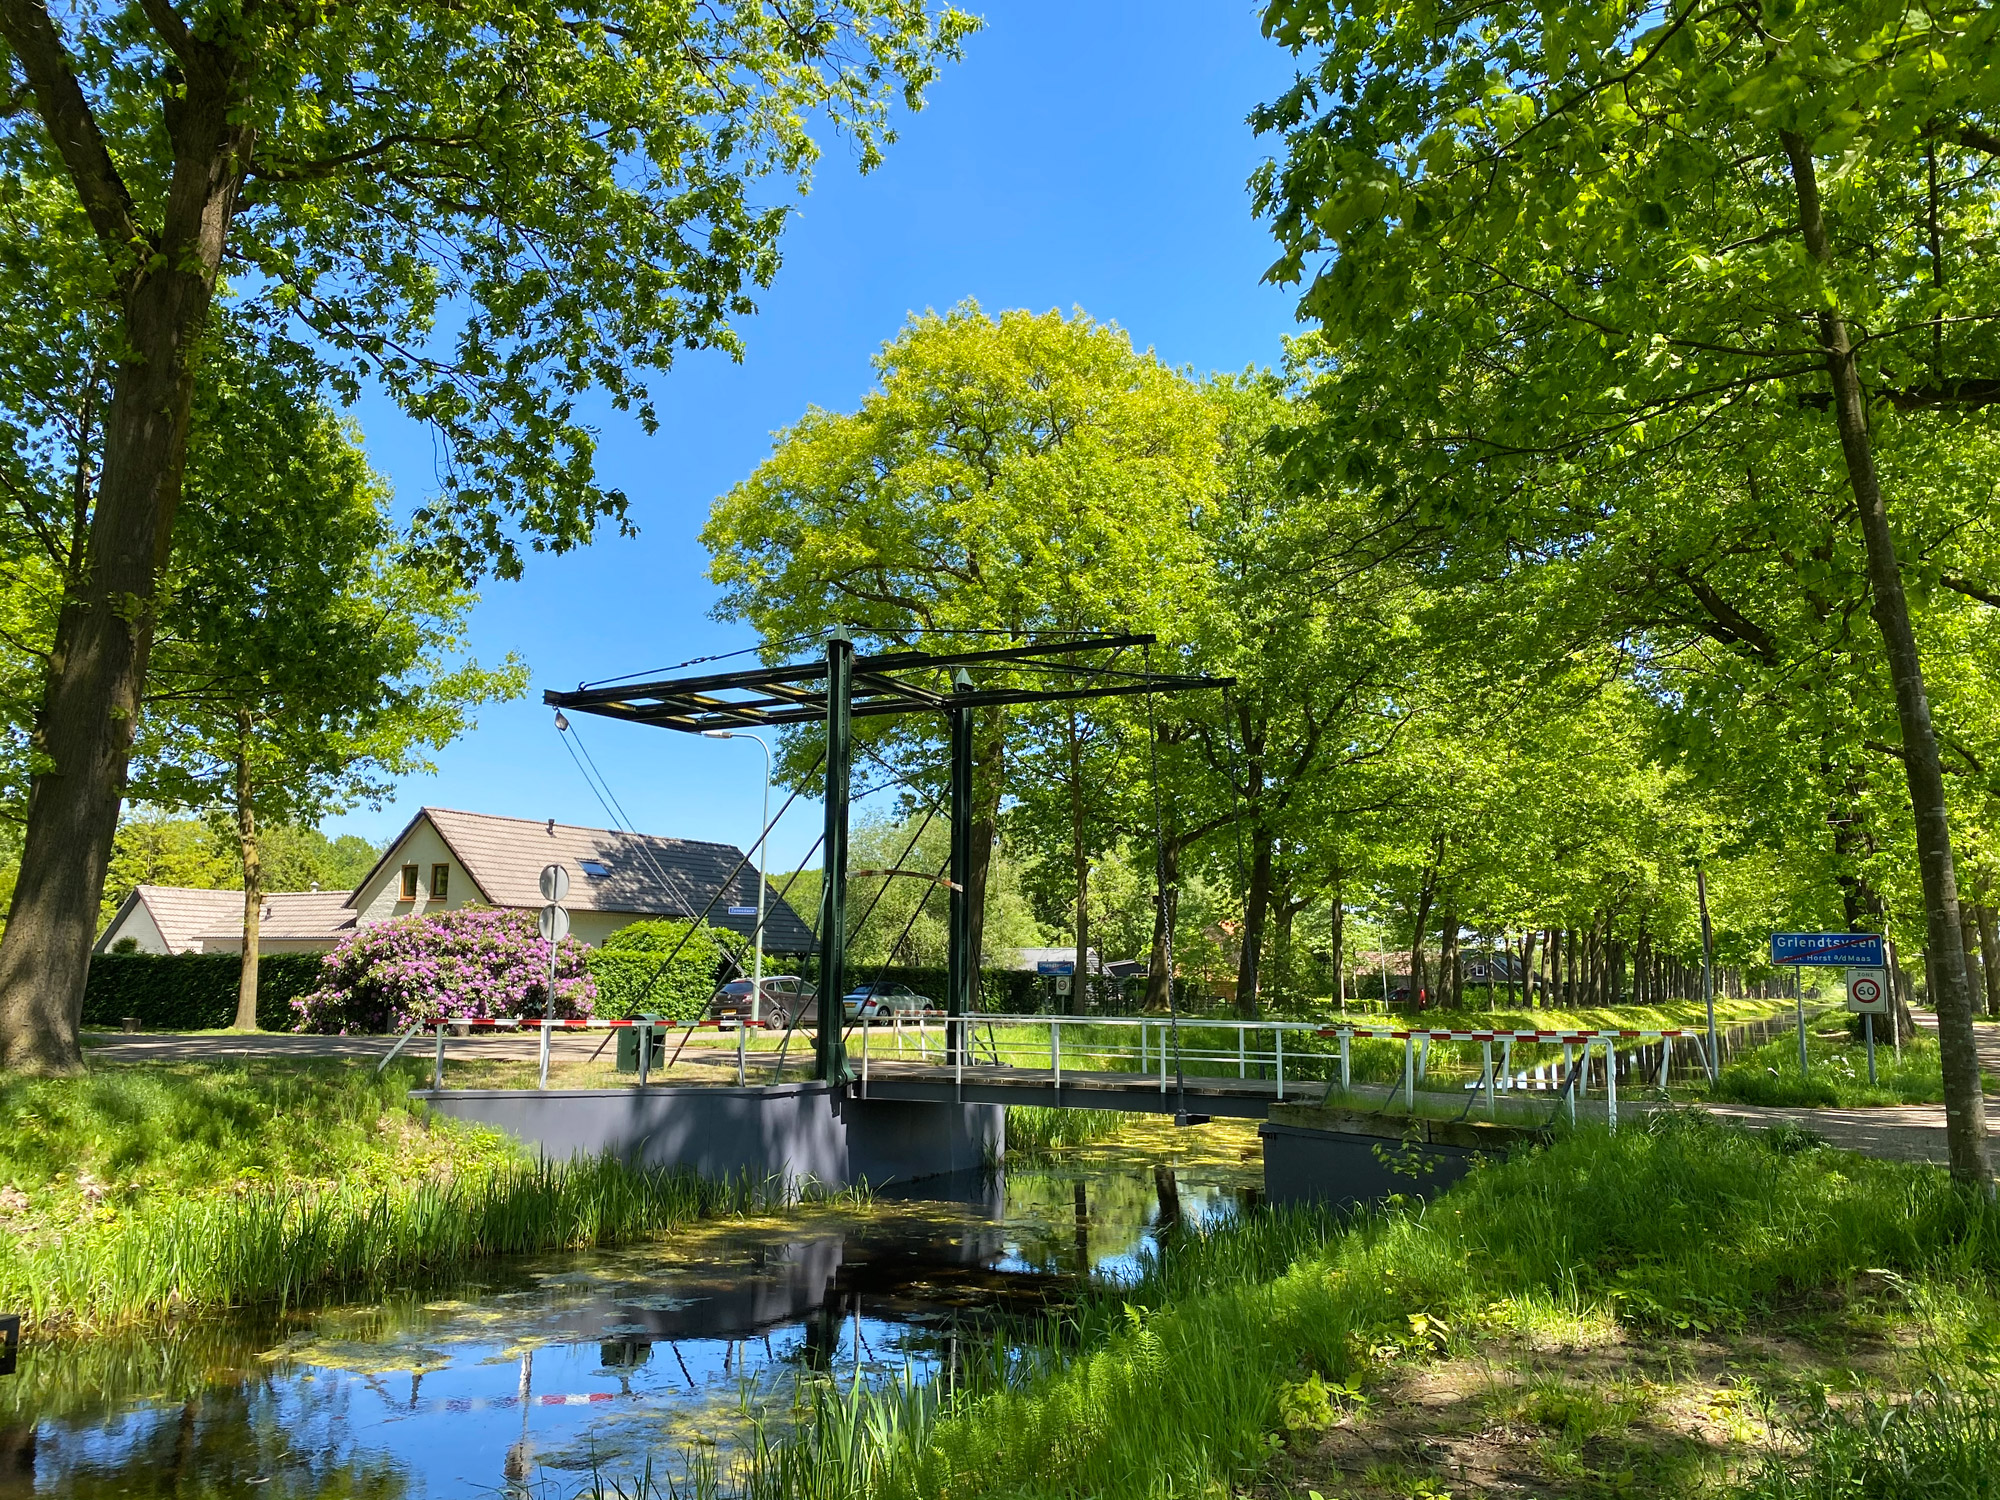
<point x="444" y="859"/>
<point x="178" y="919"/>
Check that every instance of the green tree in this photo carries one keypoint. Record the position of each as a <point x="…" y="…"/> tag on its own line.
<point x="1009" y="476"/>
<point x="1551" y="238"/>
<point x="487" y="209"/>
<point x="304" y="659"/>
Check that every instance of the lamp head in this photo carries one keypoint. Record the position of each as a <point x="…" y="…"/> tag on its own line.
<point x="717" y="734"/>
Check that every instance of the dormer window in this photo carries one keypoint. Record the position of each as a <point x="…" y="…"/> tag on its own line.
<point x="596" y="869"/>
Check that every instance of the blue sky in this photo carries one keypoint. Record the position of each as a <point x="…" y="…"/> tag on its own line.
<point x="1088" y="155"/>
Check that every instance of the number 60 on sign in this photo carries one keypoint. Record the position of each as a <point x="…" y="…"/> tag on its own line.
<point x="1868" y="992"/>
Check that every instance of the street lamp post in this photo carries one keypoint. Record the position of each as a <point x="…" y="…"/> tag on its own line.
<point x="763" y="857"/>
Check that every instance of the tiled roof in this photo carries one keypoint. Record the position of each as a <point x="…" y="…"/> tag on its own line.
<point x="292" y="915"/>
<point x="186" y="916"/>
<point x="644" y="875"/>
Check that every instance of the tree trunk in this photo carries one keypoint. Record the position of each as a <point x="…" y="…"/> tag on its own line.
<point x="1529" y="957"/>
<point x="1419" y="929"/>
<point x="1448" y="979"/>
<point x="1965" y="1111"/>
<point x="1256" y="902"/>
<point x="1166" y="906"/>
<point x="82" y="736"/>
<point x="1337" y="941"/>
<point x="989" y="765"/>
<point x="1552" y="981"/>
<point x="253" y="879"/>
<point x="1989" y="948"/>
<point x="1968" y="942"/>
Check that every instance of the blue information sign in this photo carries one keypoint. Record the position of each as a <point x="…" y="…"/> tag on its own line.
<point x="1055" y="966"/>
<point x="1829" y="950"/>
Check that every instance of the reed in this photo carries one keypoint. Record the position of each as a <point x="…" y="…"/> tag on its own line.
<point x="1033" y="1130"/>
<point x="282" y="1246"/>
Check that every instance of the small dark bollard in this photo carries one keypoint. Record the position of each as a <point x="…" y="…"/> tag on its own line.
<point x="133" y="1024"/>
<point x="10" y="1341"/>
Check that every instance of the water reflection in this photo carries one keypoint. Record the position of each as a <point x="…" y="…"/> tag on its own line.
<point x="548" y="1369"/>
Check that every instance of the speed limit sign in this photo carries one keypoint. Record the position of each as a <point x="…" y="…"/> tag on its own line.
<point x="1868" y="992"/>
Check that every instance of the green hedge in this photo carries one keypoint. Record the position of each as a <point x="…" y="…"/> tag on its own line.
<point x="193" y="991"/>
<point x="631" y="981"/>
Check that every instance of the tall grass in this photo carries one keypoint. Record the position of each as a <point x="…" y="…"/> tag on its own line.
<point x="281" y="1246"/>
<point x="1684" y="1225"/>
<point x="1769" y="1074"/>
<point x="1941" y="1444"/>
<point x="1032" y="1129"/>
<point x="141" y="1189"/>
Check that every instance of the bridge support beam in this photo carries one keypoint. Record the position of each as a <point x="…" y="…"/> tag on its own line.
<point x="961" y="959"/>
<point x="830" y="1060"/>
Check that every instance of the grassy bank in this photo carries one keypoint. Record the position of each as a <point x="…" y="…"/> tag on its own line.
<point x="140" y="1189"/>
<point x="1683" y="1309"/>
<point x="1838" y="1076"/>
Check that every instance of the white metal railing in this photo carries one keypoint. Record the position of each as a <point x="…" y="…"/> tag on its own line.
<point x="1157" y="1049"/>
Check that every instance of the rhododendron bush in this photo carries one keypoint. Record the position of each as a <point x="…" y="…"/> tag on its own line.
<point x="454" y="965"/>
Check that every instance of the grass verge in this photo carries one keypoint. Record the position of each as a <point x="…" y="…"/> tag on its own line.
<point x="141" y="1189"/>
<point x="1769" y="1074"/>
<point x="1615" y="1272"/>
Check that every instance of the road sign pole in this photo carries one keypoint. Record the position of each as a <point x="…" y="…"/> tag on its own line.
<point x="1799" y="1005"/>
<point x="1868" y="1031"/>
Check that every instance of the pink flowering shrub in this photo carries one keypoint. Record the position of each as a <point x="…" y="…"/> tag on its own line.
<point x="469" y="963"/>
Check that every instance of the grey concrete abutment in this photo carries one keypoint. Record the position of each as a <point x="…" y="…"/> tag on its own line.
<point x="799" y="1133"/>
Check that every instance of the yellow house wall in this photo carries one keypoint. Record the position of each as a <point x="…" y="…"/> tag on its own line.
<point x="381" y="898"/>
<point x="380" y="901"/>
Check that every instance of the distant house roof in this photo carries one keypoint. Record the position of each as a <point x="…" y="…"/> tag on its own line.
<point x="609" y="871"/>
<point x="187" y="918"/>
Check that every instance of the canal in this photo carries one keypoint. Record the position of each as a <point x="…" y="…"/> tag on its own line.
<point x="544" y="1375"/>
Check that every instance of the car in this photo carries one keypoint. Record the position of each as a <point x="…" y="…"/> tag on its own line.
<point x="1400" y="996"/>
<point x="885" y="999"/>
<point x="787" y="1000"/>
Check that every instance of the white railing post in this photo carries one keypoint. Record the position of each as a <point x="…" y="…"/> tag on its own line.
<point x="1242" y="1051"/>
<point x="1666" y="1057"/>
<point x="1409" y="1073"/>
<point x="865" y="1028"/>
<point x="1486" y="1068"/>
<point x="1424" y="1056"/>
<point x="643" y="1029"/>
<point x="1611" y="1081"/>
<point x="1507" y="1064"/>
<point x="1055" y="1053"/>
<point x="437" y="1065"/>
<point x="1278" y="1035"/>
<point x="542" y="1071"/>
<point x="1345" y="1038"/>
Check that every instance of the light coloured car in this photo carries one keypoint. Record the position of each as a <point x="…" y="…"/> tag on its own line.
<point x="885" y="999"/>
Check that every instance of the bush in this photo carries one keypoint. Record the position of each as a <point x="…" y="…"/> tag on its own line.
<point x="193" y="991"/>
<point x="466" y="964"/>
<point x="631" y="978"/>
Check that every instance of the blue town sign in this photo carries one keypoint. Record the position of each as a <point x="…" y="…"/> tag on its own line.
<point x="1829" y="950"/>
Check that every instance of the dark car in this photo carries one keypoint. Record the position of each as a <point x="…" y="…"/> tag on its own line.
<point x="1400" y="996"/>
<point x="787" y="1000"/>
